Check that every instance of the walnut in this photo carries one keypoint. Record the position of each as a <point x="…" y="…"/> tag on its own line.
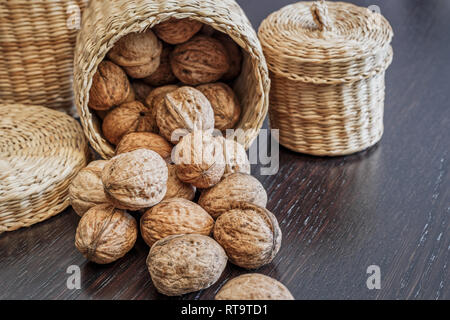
<point x="225" y="104"/>
<point x="105" y="234"/>
<point x="185" y="109"/>
<point x="249" y="234"/>
<point x="236" y="187"/>
<point x="177" y="188"/>
<point x="141" y="89"/>
<point x="253" y="286"/>
<point x="110" y="87"/>
<point x="127" y="118"/>
<point x="175" y="216"/>
<point x="138" y="53"/>
<point x="199" y="159"/>
<point x="234" y="54"/>
<point x="176" y="31"/>
<point x="155" y="98"/>
<point x="200" y="60"/>
<point x="236" y="159"/>
<point x="163" y="75"/>
<point x="145" y="140"/>
<point x="86" y="189"/>
<point x="181" y="264"/>
<point x="135" y="180"/>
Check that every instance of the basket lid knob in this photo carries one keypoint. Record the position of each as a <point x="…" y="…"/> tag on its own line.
<point x="319" y="11"/>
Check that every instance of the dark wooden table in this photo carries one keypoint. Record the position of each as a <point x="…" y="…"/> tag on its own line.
<point x="388" y="206"/>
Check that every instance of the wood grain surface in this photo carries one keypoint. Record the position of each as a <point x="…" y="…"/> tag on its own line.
<point x="388" y="206"/>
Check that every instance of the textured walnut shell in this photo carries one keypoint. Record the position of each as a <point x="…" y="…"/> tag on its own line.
<point x="234" y="54"/>
<point x="176" y="31"/>
<point x="185" y="263"/>
<point x="127" y="118"/>
<point x="225" y="104"/>
<point x="163" y="75"/>
<point x="199" y="159"/>
<point x="145" y="140"/>
<point x="141" y="89"/>
<point x="86" y="189"/>
<point x="201" y="60"/>
<point x="254" y="286"/>
<point x="177" y="188"/>
<point x="156" y="98"/>
<point x="105" y="234"/>
<point x="175" y="216"/>
<point x="144" y="70"/>
<point x="135" y="180"/>
<point x="249" y="234"/>
<point x="236" y="159"/>
<point x="184" y="109"/>
<point x="236" y="187"/>
<point x="136" y="49"/>
<point x="110" y="87"/>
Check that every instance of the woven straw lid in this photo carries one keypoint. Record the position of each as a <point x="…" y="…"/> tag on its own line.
<point x="41" y="150"/>
<point x="327" y="42"/>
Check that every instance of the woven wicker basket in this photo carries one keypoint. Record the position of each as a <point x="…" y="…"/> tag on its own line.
<point x="41" y="150"/>
<point x="327" y="63"/>
<point x="36" y="52"/>
<point x="105" y="22"/>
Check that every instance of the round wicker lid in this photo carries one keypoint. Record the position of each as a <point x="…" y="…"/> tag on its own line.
<point x="327" y="35"/>
<point x="41" y="150"/>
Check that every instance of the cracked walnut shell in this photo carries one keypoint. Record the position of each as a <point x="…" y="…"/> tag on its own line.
<point x="176" y="31"/>
<point x="174" y="216"/>
<point x="200" y="60"/>
<point x="225" y="104"/>
<point x="105" y="234"/>
<point x="181" y="264"/>
<point x="145" y="140"/>
<point x="138" y="53"/>
<point x="135" y="180"/>
<point x="236" y="187"/>
<point x="253" y="286"/>
<point x="127" y="118"/>
<point x="177" y="188"/>
<point x="110" y="87"/>
<point x="86" y="189"/>
<point x="185" y="109"/>
<point x="249" y="234"/>
<point x="199" y="159"/>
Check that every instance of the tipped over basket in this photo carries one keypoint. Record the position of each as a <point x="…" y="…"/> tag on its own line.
<point x="105" y="22"/>
<point x="327" y="63"/>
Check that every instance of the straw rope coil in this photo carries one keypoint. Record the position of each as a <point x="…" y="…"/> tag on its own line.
<point x="327" y="63"/>
<point x="41" y="150"/>
<point x="105" y="22"/>
<point x="36" y="52"/>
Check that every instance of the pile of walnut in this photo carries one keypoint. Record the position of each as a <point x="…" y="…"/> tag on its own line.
<point x="156" y="172"/>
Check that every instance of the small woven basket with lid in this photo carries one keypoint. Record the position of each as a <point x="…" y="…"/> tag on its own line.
<point x="327" y="63"/>
<point x="37" y="39"/>
<point x="41" y="151"/>
<point x="105" y="22"/>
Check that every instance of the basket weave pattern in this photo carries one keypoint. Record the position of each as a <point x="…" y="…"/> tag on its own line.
<point x="327" y="63"/>
<point x="36" y="52"/>
<point x="41" y="150"/>
<point x="105" y="22"/>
